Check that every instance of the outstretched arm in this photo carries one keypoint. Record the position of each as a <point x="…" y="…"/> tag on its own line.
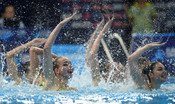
<point x="134" y="56"/>
<point x="92" y="41"/>
<point x="134" y="71"/>
<point x="94" y="63"/>
<point x="48" y="65"/>
<point x="96" y="43"/>
<point x="10" y="57"/>
<point x="34" y="61"/>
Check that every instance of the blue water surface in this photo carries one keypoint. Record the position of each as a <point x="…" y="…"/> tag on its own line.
<point x="87" y="95"/>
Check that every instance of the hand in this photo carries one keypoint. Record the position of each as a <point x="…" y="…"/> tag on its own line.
<point x="67" y="19"/>
<point x="108" y="25"/>
<point x="37" y="42"/>
<point x="155" y="44"/>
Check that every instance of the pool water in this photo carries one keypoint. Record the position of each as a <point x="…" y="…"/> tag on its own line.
<point x="87" y="94"/>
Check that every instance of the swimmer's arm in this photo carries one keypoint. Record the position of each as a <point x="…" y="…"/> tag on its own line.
<point x="34" y="63"/>
<point x="96" y="44"/>
<point x="134" y="71"/>
<point x="40" y="51"/>
<point x="19" y="49"/>
<point x="92" y="40"/>
<point x="53" y="35"/>
<point x="134" y="56"/>
<point x="10" y="56"/>
<point x="89" y="56"/>
<point x="35" y="42"/>
<point x="48" y="65"/>
<point x="11" y="64"/>
<point x="13" y="69"/>
<point x="94" y="64"/>
<point x="95" y="72"/>
<point x="94" y="69"/>
<point x="136" y="74"/>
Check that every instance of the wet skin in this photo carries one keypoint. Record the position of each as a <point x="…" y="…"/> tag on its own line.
<point x="116" y="74"/>
<point x="64" y="68"/>
<point x="159" y="73"/>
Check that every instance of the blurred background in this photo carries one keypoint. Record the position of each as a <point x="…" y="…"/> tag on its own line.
<point x="40" y="14"/>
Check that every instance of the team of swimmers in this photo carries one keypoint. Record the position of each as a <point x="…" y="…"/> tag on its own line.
<point x="57" y="70"/>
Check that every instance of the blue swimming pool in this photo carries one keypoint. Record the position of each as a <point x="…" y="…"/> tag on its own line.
<point x="86" y="94"/>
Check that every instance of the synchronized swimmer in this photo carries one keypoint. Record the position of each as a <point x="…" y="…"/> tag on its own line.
<point x="102" y="70"/>
<point x="57" y="70"/>
<point x="152" y="75"/>
<point x="27" y="68"/>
